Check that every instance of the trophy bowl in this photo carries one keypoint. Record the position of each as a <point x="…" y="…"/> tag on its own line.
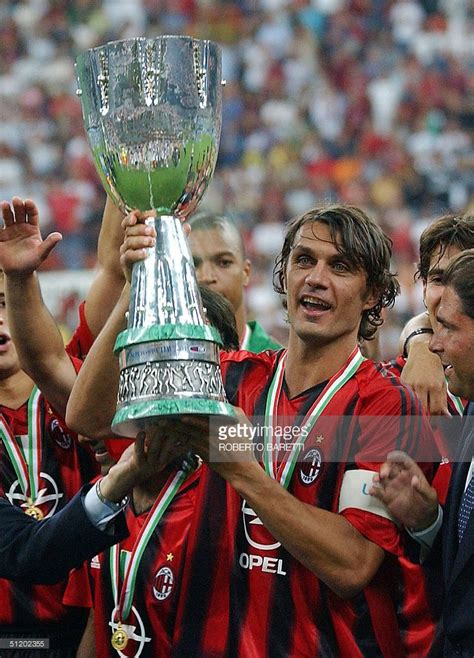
<point x="152" y="112"/>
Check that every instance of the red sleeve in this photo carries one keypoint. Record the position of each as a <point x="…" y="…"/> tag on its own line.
<point x="82" y="338"/>
<point x="377" y="529"/>
<point x="388" y="417"/>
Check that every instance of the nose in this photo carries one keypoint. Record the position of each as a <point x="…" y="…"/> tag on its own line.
<point x="206" y="273"/>
<point x="436" y="342"/>
<point x="317" y="276"/>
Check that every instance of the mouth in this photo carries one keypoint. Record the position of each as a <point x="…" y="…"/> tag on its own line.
<point x="4" y="341"/>
<point x="314" y="305"/>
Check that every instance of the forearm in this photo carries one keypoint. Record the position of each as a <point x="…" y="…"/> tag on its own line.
<point x="324" y="542"/>
<point x="37" y="339"/>
<point x="109" y="279"/>
<point x="92" y="403"/>
<point x="419" y="322"/>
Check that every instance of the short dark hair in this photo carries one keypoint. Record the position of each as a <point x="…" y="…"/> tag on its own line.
<point x="365" y="246"/>
<point x="459" y="275"/>
<point x="221" y="315"/>
<point x="208" y="221"/>
<point x="447" y="231"/>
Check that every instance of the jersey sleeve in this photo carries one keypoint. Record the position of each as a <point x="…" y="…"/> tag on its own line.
<point x="82" y="338"/>
<point x="389" y="417"/>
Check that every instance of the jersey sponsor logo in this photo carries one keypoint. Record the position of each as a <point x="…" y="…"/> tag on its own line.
<point x="255" y="532"/>
<point x="163" y="583"/>
<point x="47" y="498"/>
<point x="264" y="563"/>
<point x="135" y="630"/>
<point x="310" y="467"/>
<point x="61" y="437"/>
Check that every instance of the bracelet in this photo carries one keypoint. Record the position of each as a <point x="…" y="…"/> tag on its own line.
<point x="110" y="503"/>
<point x="416" y="332"/>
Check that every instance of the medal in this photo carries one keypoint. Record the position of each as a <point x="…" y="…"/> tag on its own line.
<point x="33" y="511"/>
<point x="26" y="459"/>
<point x="119" y="639"/>
<point x="123" y="593"/>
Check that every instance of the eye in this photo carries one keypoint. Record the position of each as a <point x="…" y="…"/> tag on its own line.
<point x="303" y="260"/>
<point x="436" y="279"/>
<point x="340" y="266"/>
<point x="225" y="262"/>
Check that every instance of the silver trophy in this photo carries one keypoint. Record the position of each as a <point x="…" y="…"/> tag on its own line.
<point x="152" y="112"/>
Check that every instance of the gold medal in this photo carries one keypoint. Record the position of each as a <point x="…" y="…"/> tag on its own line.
<point x="119" y="638"/>
<point x="34" y="512"/>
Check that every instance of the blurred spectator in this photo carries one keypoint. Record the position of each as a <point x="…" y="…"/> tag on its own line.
<point x="367" y="101"/>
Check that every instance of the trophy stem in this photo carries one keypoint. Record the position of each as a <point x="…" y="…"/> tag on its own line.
<point x="169" y="356"/>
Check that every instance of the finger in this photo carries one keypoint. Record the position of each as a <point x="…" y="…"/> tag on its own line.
<point x="401" y="458"/>
<point x="7" y="214"/>
<point x="19" y="210"/>
<point x="130" y="219"/>
<point x="139" y="446"/>
<point x="187" y="229"/>
<point x="138" y="242"/>
<point x="422" y="393"/>
<point x="32" y="213"/>
<point x="48" y="245"/>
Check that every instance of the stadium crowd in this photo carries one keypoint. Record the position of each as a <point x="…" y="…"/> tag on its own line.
<point x="366" y="102"/>
<point x="306" y="500"/>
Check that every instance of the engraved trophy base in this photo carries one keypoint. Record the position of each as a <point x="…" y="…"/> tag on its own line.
<point x="168" y="370"/>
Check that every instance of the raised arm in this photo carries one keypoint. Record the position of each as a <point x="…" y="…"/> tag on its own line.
<point x="423" y="370"/>
<point x="109" y="278"/>
<point x="93" y="399"/>
<point x="33" y="330"/>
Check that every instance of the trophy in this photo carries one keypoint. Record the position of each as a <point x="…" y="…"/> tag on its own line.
<point x="152" y="112"/>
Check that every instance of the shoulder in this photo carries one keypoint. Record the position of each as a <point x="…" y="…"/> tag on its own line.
<point x="247" y="372"/>
<point x="259" y="339"/>
<point x="383" y="391"/>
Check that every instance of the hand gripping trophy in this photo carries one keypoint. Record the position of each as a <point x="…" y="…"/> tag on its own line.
<point x="152" y="112"/>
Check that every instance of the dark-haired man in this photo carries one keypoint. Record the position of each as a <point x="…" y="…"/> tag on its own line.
<point x="407" y="494"/>
<point x="305" y="553"/>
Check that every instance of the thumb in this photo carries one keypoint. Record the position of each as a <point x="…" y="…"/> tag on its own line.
<point x="49" y="243"/>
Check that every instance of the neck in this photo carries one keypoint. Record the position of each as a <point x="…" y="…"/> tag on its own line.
<point x="145" y="494"/>
<point x="241" y="321"/>
<point x="15" y="389"/>
<point x="310" y="364"/>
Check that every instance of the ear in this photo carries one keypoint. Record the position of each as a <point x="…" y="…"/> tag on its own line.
<point x="247" y="266"/>
<point x="424" y="293"/>
<point x="371" y="300"/>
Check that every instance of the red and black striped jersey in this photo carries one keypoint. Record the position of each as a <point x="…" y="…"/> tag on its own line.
<point x="158" y="583"/>
<point x="65" y="467"/>
<point x="245" y="595"/>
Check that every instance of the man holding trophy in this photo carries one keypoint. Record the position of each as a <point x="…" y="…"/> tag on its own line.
<point x="287" y="556"/>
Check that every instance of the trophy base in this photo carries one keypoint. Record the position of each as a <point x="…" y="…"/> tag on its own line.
<point x="138" y="416"/>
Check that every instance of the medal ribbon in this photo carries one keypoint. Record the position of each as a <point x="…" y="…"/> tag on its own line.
<point x="27" y="466"/>
<point x="246" y="339"/>
<point x="124" y="599"/>
<point x="284" y="473"/>
<point x="456" y="400"/>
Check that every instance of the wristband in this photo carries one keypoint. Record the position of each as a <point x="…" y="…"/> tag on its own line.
<point x="113" y="506"/>
<point x="416" y="332"/>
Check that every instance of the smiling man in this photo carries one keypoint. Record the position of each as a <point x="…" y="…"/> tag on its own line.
<point x="404" y="490"/>
<point x="304" y="550"/>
